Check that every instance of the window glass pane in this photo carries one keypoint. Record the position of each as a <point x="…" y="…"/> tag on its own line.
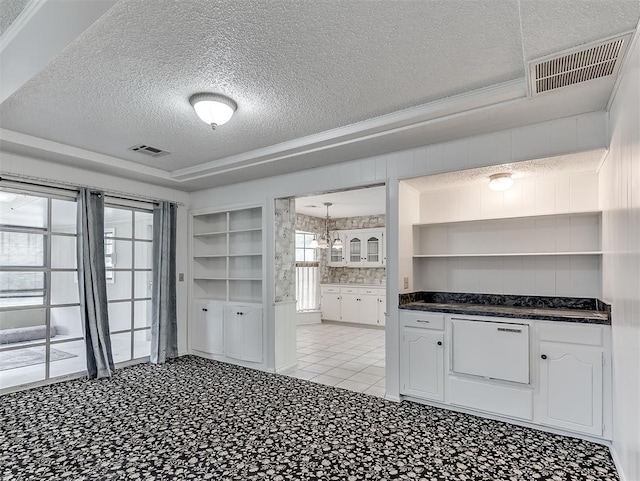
<point x="63" y="216"/>
<point x="307" y="240"/>
<point x="18" y="249"/>
<point x="117" y="254"/>
<point x="66" y="323"/>
<point x="30" y="324"/>
<point x="121" y="346"/>
<point x="142" y="314"/>
<point x="119" y="316"/>
<point x="22" y="366"/>
<point x="64" y="288"/>
<point x="310" y="255"/>
<point x="143" y="284"/>
<point x="24" y="211"/>
<point x="144" y="225"/>
<point x="299" y="240"/>
<point x="67" y="358"/>
<point x="144" y="253"/>
<point x="141" y="343"/>
<point x="118" y="222"/>
<point x="299" y="255"/>
<point x="63" y="252"/>
<point x="118" y="285"/>
<point x="21" y="288"/>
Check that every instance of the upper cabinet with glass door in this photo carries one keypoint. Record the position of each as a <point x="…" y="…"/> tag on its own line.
<point x="361" y="248"/>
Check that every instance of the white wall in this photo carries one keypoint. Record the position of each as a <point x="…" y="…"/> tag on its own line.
<point x="620" y="200"/>
<point x="409" y="214"/>
<point x="14" y="164"/>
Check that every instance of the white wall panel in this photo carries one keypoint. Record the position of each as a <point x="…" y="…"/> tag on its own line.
<point x="620" y="201"/>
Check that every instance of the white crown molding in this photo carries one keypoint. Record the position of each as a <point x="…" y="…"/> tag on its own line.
<point x="78" y="153"/>
<point x="368" y="129"/>
<point x="21" y="20"/>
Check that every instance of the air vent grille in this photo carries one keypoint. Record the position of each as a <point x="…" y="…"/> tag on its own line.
<point x="575" y="66"/>
<point x="148" y="150"/>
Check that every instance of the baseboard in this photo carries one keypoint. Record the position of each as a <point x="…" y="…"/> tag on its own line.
<point x="281" y="369"/>
<point x="305" y="318"/>
<point x="617" y="464"/>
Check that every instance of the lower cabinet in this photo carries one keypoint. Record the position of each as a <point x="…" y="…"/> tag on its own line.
<point x="207" y="327"/>
<point x="422" y="363"/>
<point x="243" y="332"/>
<point x="231" y="330"/>
<point x="362" y="305"/>
<point x="571" y="387"/>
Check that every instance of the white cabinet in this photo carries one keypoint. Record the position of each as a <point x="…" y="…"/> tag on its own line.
<point x="571" y="387"/>
<point x="361" y="248"/>
<point x="422" y="362"/>
<point x="243" y="332"/>
<point x="330" y="303"/>
<point x="207" y="327"/>
<point x="362" y="305"/>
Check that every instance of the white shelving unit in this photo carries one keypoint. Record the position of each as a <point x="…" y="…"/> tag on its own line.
<point x="227" y="320"/>
<point x="558" y="254"/>
<point x="227" y="256"/>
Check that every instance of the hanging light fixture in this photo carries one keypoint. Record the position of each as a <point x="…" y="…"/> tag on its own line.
<point x="213" y="109"/>
<point x="500" y="182"/>
<point x="337" y="242"/>
<point x="324" y="241"/>
<point x="314" y="242"/>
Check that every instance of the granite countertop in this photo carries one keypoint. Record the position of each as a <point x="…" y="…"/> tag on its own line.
<point x="520" y="307"/>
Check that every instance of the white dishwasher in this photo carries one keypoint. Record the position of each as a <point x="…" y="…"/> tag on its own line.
<point x="495" y="350"/>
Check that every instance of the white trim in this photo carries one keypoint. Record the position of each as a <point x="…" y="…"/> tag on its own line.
<point x="383" y="125"/>
<point x="20" y="22"/>
<point x="618" y="463"/>
<point x="624" y="62"/>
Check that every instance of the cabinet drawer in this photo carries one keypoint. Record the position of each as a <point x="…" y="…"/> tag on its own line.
<point x="425" y="320"/>
<point x="349" y="290"/>
<point x="588" y="335"/>
<point x="371" y="291"/>
<point x="328" y="289"/>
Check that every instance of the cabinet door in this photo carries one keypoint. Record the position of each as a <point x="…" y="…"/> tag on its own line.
<point x="373" y="249"/>
<point x="382" y="307"/>
<point x="571" y="387"/>
<point x="368" y="309"/>
<point x="207" y="327"/>
<point x="330" y="305"/>
<point x="350" y="307"/>
<point x="422" y="363"/>
<point x="243" y="332"/>
<point x="354" y="251"/>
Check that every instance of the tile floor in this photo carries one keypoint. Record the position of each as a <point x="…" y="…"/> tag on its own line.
<point x="343" y="356"/>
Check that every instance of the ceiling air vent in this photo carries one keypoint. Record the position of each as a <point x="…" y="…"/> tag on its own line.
<point x="587" y="62"/>
<point x="148" y="150"/>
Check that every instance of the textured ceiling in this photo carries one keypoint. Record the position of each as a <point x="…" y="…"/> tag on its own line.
<point x="348" y="203"/>
<point x="295" y="68"/>
<point x="562" y="164"/>
<point x="9" y="11"/>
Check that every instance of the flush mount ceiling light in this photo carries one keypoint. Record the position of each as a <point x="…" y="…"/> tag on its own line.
<point x="213" y="109"/>
<point x="500" y="182"/>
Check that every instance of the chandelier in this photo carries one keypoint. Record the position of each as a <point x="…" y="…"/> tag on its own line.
<point x="325" y="239"/>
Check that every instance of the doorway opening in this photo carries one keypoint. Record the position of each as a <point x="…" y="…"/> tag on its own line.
<point x="340" y="266"/>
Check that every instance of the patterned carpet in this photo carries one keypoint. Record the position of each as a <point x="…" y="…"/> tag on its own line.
<point x="199" y="419"/>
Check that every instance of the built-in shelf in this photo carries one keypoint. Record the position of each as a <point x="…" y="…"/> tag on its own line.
<point x="588" y="213"/>
<point x="227" y="258"/>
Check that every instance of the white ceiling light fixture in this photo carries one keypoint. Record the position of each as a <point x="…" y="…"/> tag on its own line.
<point x="213" y="109"/>
<point x="500" y="182"/>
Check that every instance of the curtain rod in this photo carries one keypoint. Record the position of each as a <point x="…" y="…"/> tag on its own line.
<point x="68" y="186"/>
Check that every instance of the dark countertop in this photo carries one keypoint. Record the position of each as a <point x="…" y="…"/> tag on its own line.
<point x="478" y="305"/>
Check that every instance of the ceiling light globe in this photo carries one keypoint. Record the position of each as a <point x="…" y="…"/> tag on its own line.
<point x="213" y="109"/>
<point x="500" y="182"/>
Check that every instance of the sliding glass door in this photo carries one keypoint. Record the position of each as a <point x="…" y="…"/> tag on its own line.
<point x="40" y="330"/>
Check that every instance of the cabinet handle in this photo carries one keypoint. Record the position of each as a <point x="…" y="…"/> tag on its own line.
<point x="424" y="321"/>
<point x="205" y="310"/>
<point x="439" y="343"/>
<point x="504" y="329"/>
<point x="544" y="356"/>
<point x="240" y="313"/>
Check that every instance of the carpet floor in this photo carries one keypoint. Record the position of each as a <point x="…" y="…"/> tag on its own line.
<point x="198" y="419"/>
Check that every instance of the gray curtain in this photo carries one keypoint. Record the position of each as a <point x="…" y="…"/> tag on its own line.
<point x="164" y="320"/>
<point x="92" y="284"/>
